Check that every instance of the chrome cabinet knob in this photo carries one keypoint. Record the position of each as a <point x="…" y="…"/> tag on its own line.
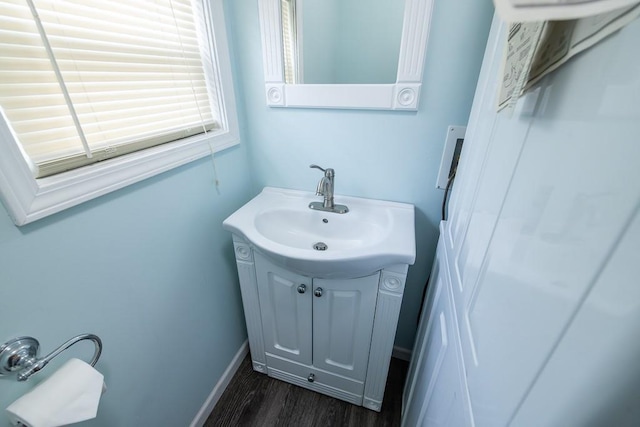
<point x="311" y="378"/>
<point x="318" y="292"/>
<point x="302" y="289"/>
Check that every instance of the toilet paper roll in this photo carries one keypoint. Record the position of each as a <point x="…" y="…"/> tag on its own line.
<point x="70" y="395"/>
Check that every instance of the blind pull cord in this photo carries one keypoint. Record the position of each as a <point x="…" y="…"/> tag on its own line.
<point x="209" y="38"/>
<point x="63" y="86"/>
<point x="193" y="91"/>
<point x="215" y="170"/>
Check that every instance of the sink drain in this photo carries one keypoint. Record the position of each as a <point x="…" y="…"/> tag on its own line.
<point x="320" y="246"/>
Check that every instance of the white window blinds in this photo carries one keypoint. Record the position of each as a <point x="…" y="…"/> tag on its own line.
<point x="83" y="81"/>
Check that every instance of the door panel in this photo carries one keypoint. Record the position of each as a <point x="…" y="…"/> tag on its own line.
<point x="436" y="393"/>
<point x="286" y="313"/>
<point x="477" y="140"/>
<point x="342" y="324"/>
<point x="421" y="335"/>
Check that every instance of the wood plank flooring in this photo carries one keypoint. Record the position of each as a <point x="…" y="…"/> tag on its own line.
<point x="254" y="399"/>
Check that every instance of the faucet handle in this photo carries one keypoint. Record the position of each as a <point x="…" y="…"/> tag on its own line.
<point x="328" y="172"/>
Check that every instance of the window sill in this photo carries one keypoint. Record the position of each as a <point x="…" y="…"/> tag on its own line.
<point x="28" y="199"/>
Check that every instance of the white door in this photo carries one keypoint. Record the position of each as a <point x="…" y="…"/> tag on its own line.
<point x="285" y="302"/>
<point x="434" y="394"/>
<point x="543" y="204"/>
<point x="343" y="312"/>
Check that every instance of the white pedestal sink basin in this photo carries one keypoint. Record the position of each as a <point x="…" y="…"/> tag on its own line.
<point x="373" y="235"/>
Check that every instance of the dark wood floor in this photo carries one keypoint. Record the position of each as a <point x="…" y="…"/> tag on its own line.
<point x="254" y="399"/>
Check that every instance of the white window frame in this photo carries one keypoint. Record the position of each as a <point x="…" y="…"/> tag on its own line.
<point x="28" y="199"/>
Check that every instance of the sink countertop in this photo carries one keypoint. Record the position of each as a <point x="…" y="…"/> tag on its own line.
<point x="374" y="234"/>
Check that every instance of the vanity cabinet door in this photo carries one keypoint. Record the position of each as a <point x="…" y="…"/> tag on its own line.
<point x="343" y="312"/>
<point x="285" y="302"/>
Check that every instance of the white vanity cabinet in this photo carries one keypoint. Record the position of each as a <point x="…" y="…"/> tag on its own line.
<point x="334" y="336"/>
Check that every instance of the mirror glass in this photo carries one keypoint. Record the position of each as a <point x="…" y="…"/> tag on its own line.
<point x="341" y="41"/>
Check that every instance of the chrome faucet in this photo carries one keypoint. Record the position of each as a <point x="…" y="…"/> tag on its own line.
<point x="325" y="188"/>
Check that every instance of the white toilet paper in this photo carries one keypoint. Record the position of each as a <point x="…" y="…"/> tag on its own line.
<point x="70" y="395"/>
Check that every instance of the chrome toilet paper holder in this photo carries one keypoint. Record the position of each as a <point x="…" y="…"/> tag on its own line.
<point x="20" y="355"/>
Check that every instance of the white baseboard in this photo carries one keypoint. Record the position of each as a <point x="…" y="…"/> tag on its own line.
<point x="401" y="353"/>
<point x="221" y="385"/>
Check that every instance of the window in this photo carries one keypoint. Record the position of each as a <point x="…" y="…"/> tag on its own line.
<point x="97" y="95"/>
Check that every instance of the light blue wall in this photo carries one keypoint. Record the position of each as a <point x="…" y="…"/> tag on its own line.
<point x="151" y="271"/>
<point x="385" y="155"/>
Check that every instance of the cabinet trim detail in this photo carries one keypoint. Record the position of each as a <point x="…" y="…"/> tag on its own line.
<point x="243" y="252"/>
<point x="249" y="294"/>
<point x="384" y="332"/>
<point x="392" y="282"/>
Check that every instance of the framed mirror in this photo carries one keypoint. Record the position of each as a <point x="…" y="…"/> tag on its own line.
<point x="344" y="53"/>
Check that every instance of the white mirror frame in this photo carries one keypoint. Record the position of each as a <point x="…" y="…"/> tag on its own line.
<point x="403" y="95"/>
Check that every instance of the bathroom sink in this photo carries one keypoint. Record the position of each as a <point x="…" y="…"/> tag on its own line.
<point x="374" y="234"/>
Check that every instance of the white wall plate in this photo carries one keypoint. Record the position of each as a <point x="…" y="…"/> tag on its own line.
<point x="454" y="133"/>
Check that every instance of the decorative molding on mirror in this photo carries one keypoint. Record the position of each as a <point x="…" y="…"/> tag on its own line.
<point x="275" y="94"/>
<point x="269" y="13"/>
<point x="403" y="95"/>
<point x="413" y="45"/>
<point x="406" y="96"/>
